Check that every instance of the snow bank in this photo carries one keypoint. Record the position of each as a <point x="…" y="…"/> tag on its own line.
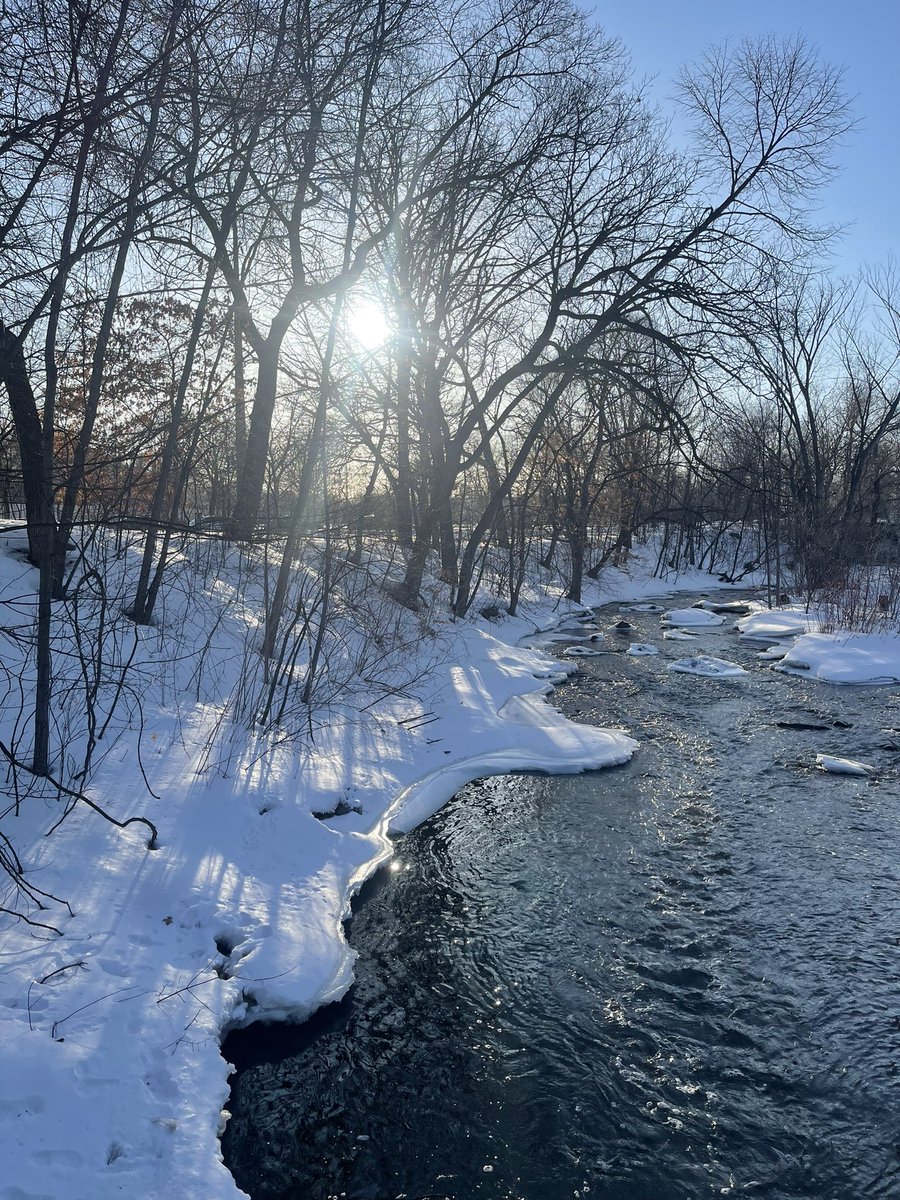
<point x="113" y="1083"/>
<point x="860" y="658"/>
<point x="768" y="624"/>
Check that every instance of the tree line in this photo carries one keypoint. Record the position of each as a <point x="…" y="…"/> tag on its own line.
<point x="589" y="328"/>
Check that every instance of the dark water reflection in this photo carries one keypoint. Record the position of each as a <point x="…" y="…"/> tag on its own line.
<point x="676" y="979"/>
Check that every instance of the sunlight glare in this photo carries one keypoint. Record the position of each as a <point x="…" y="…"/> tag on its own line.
<point x="368" y="325"/>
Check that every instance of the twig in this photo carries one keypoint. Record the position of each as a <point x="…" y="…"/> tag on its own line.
<point x="76" y="795"/>
<point x="28" y="920"/>
<point x="90" y="1004"/>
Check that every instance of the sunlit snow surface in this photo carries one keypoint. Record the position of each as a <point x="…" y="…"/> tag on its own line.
<point x="773" y="653"/>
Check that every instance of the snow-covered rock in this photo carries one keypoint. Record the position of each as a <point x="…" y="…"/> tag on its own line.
<point x="773" y="653"/>
<point x="691" y="618"/>
<point x="733" y="608"/>
<point x="622" y="628"/>
<point x="704" y="664"/>
<point x="842" y="766"/>
<point x="769" y="624"/>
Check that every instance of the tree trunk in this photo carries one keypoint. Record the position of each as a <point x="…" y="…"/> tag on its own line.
<point x="39" y="515"/>
<point x="576" y="540"/>
<point x="142" y="607"/>
<point x="248" y="494"/>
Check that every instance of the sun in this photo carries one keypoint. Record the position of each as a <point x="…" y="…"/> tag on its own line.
<point x="367" y="324"/>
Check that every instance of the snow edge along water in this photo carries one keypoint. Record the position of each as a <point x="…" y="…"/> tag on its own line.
<point x="113" y="1082"/>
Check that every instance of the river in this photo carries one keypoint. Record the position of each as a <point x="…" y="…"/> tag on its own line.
<point x="672" y="980"/>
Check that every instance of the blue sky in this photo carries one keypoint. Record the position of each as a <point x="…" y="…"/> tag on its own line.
<point x="863" y="37"/>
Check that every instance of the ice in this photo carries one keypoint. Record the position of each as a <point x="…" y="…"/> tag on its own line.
<point x="842" y="766"/>
<point x="703" y="664"/>
<point x="640" y="649"/>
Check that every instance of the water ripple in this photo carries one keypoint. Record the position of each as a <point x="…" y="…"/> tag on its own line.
<point x="671" y="981"/>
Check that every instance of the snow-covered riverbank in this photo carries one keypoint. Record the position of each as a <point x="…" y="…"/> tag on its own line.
<point x="112" y="1080"/>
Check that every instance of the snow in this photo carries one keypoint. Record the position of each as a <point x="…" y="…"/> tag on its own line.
<point x="840" y="656"/>
<point x="704" y="664"/>
<point x="773" y="653"/>
<point x="768" y="624"/>
<point x="640" y="649"/>
<point x="730" y="607"/>
<point x="842" y="766"/>
<point x="113" y="1083"/>
<point x="858" y="658"/>
<point x="691" y="618"/>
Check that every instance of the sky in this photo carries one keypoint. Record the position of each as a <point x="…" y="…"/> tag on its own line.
<point x="862" y="37"/>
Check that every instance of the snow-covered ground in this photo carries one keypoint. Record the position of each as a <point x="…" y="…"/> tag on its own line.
<point x="112" y="1082"/>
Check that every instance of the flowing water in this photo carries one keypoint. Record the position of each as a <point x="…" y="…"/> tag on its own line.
<point x="671" y="980"/>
